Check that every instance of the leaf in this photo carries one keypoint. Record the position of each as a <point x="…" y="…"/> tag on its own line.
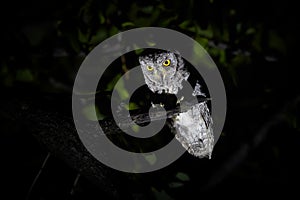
<point x="232" y="12"/>
<point x="24" y="75"/>
<point x="151" y="44"/>
<point x="208" y="33"/>
<point x="92" y="113"/>
<point x="175" y="185"/>
<point x="150" y="158"/>
<point x="123" y="93"/>
<point x="250" y="31"/>
<point x="199" y="55"/>
<point x="182" y="176"/>
<point x="161" y="195"/>
<point x="257" y="39"/>
<point x="113" y="30"/>
<point x="83" y="38"/>
<point x="203" y="41"/>
<point x="127" y="24"/>
<point x="185" y="24"/>
<point x="225" y="35"/>
<point x="276" y="42"/>
<point x="101" y="18"/>
<point x="147" y="9"/>
<point x="138" y="51"/>
<point x="135" y="128"/>
<point x="131" y="106"/>
<point x="222" y="58"/>
<point x="100" y="35"/>
<point x="238" y="27"/>
<point x="166" y="22"/>
<point x="73" y="41"/>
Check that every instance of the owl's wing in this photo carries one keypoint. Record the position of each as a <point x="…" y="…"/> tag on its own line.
<point x="194" y="130"/>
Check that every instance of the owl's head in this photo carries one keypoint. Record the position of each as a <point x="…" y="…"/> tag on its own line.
<point x="163" y="71"/>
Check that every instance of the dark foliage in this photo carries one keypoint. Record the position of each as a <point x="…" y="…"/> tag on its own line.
<point x="253" y="43"/>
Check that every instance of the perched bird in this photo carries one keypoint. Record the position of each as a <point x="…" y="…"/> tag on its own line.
<point x="164" y="72"/>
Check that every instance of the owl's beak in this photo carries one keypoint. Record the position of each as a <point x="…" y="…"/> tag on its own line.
<point x="157" y="75"/>
<point x="160" y="75"/>
<point x="164" y="74"/>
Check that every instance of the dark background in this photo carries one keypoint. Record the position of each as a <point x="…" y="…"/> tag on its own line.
<point x="253" y="43"/>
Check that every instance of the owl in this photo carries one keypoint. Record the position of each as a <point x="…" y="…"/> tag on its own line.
<point x="164" y="72"/>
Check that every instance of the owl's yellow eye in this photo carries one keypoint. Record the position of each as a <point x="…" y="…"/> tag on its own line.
<point x="149" y="68"/>
<point x="166" y="63"/>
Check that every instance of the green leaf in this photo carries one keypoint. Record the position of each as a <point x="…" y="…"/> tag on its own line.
<point x="74" y="41"/>
<point x="110" y="86"/>
<point x="232" y="12"/>
<point x="127" y="24"/>
<point x="138" y="51"/>
<point x="203" y="41"/>
<point x="182" y="176"/>
<point x="131" y="106"/>
<point x="150" y="158"/>
<point x="222" y="58"/>
<point x="239" y="27"/>
<point x="83" y="38"/>
<point x="151" y="44"/>
<point x="276" y="42"/>
<point x="147" y="9"/>
<point x="208" y="33"/>
<point x="24" y="75"/>
<point x="257" y="39"/>
<point x="120" y="87"/>
<point x="175" y="185"/>
<point x="185" y="24"/>
<point x="135" y="128"/>
<point x="225" y="34"/>
<point x="101" y="18"/>
<point x="91" y="112"/>
<point x="166" y="22"/>
<point x="123" y="93"/>
<point x="250" y="31"/>
<point x="113" y="30"/>
<point x="214" y="52"/>
<point x="198" y="54"/>
<point x="160" y="195"/>
<point x="100" y="35"/>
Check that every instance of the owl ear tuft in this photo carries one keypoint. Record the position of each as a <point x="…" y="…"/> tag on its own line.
<point x="180" y="62"/>
<point x="141" y="60"/>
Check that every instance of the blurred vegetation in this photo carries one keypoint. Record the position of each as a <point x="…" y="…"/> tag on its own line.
<point x="47" y="41"/>
<point x="254" y="44"/>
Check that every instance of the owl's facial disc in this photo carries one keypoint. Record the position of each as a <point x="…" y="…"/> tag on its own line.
<point x="161" y="72"/>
